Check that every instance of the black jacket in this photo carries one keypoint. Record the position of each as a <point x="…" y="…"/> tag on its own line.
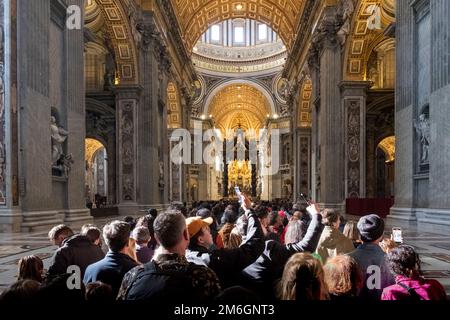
<point x="110" y="270"/>
<point x="228" y="263"/>
<point x="77" y="250"/>
<point x="269" y="266"/>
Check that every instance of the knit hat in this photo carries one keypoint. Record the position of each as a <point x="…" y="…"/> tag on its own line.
<point x="371" y="228"/>
<point x="195" y="224"/>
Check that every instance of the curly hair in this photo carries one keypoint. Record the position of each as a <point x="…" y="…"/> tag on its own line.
<point x="343" y="275"/>
<point x="404" y="261"/>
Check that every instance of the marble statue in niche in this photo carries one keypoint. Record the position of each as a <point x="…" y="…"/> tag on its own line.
<point x="161" y="183"/>
<point x="423" y="130"/>
<point x="59" y="136"/>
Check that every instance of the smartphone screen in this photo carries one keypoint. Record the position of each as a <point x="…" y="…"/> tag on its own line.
<point x="397" y="235"/>
<point x="238" y="191"/>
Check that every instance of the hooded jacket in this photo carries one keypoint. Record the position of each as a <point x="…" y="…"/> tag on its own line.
<point x="77" y="250"/>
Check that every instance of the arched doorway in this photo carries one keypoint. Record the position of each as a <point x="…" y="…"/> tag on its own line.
<point x="96" y="184"/>
<point x="385" y="168"/>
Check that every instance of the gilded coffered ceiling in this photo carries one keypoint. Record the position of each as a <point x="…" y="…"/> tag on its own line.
<point x="92" y="146"/>
<point x="239" y="105"/>
<point x="196" y="16"/>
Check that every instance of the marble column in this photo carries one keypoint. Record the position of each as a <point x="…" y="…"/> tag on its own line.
<point x="354" y="95"/>
<point x="10" y="211"/>
<point x="153" y="144"/>
<point x="325" y="60"/>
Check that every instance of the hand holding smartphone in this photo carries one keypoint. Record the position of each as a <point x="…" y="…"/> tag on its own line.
<point x="397" y="235"/>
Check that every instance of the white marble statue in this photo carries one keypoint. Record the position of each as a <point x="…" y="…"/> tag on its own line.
<point x="423" y="130"/>
<point x="59" y="136"/>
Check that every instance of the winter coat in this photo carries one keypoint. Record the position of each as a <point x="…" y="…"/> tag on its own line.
<point x="333" y="243"/>
<point x="425" y="289"/>
<point x="110" y="270"/>
<point x="77" y="250"/>
<point x="262" y="274"/>
<point x="369" y="256"/>
<point x="227" y="263"/>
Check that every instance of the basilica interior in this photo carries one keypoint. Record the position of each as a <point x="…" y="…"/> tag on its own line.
<point x="357" y="91"/>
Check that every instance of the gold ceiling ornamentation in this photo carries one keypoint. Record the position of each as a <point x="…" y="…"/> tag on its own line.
<point x="91" y="147"/>
<point x="388" y="147"/>
<point x="196" y="16"/>
<point x="120" y="36"/>
<point x="304" y="109"/>
<point x="174" y="109"/>
<point x="365" y="36"/>
<point x="239" y="105"/>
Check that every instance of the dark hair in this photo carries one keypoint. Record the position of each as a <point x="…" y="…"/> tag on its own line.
<point x="92" y="233"/>
<point x="58" y="230"/>
<point x="179" y="207"/>
<point x="169" y="227"/>
<point x="55" y="288"/>
<point x="273" y="218"/>
<point x="153" y="212"/>
<point x="229" y="216"/>
<point x="131" y="221"/>
<point x="99" y="292"/>
<point x="261" y="211"/>
<point x="204" y="213"/>
<point x="117" y="235"/>
<point x="21" y="291"/>
<point x="330" y="217"/>
<point x="30" y="268"/>
<point x="404" y="261"/>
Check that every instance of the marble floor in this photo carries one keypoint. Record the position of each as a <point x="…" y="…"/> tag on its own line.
<point x="434" y="249"/>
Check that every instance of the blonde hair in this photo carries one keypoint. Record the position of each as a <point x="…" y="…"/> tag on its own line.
<point x="303" y="279"/>
<point x="343" y="275"/>
<point x="351" y="231"/>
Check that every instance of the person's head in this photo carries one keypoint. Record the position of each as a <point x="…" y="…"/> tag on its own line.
<point x="93" y="233"/>
<point x="404" y="261"/>
<point x="99" y="292"/>
<point x="275" y="219"/>
<point x="331" y="218"/>
<point x="131" y="221"/>
<point x="141" y="235"/>
<point x="117" y="235"/>
<point x="24" y="290"/>
<point x="387" y="245"/>
<point x="31" y="268"/>
<point x="146" y="221"/>
<point x="343" y="276"/>
<point x="153" y="212"/>
<point x="297" y="215"/>
<point x="171" y="232"/>
<point x="262" y="213"/>
<point x="59" y="233"/>
<point x="229" y="216"/>
<point x="179" y="207"/>
<point x="294" y="232"/>
<point x="371" y="228"/>
<point x="303" y="279"/>
<point x="199" y="232"/>
<point x="351" y="231"/>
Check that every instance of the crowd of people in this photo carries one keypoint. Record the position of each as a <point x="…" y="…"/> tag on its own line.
<point x="228" y="251"/>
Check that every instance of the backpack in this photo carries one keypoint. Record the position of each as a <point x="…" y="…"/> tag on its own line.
<point x="150" y="282"/>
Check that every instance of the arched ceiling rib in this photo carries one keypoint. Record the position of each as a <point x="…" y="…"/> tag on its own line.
<point x="196" y="16"/>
